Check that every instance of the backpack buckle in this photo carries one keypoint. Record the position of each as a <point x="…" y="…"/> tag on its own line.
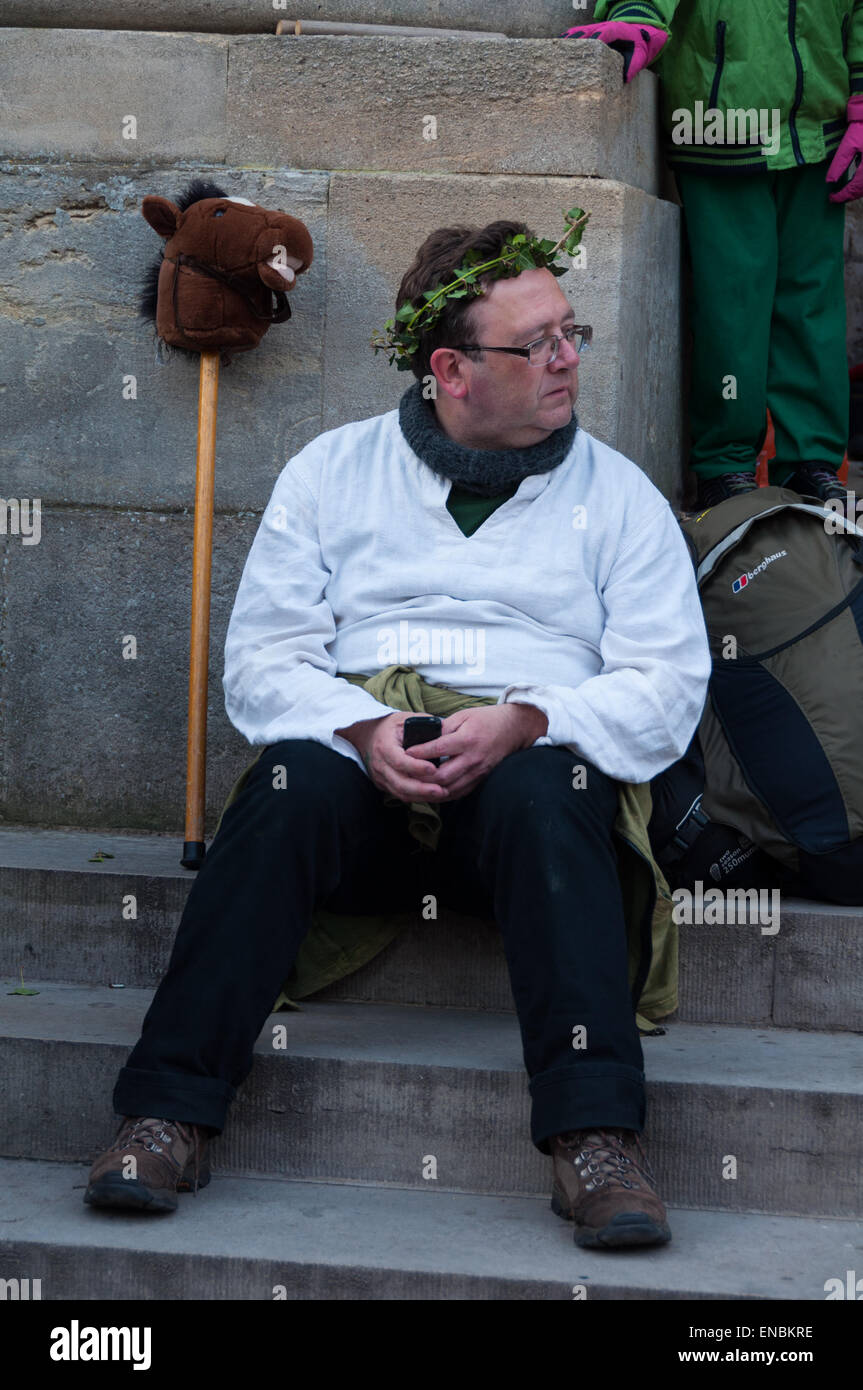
<point x="687" y="832"/>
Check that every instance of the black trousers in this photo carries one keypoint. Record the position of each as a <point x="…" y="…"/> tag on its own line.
<point x="525" y="848"/>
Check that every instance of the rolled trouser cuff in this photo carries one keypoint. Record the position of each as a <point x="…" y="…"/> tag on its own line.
<point x="706" y="472"/>
<point x="169" y="1095"/>
<point x="607" y="1095"/>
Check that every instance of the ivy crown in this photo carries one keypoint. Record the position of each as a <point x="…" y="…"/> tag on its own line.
<point x="400" y="335"/>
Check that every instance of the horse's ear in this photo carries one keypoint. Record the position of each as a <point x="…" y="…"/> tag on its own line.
<point x="161" y="214"/>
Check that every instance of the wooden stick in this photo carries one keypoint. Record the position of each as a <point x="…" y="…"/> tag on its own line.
<point x="194" y="848"/>
<point x="294" y="28"/>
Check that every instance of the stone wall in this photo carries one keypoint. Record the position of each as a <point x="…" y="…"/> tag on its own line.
<point x="538" y="19"/>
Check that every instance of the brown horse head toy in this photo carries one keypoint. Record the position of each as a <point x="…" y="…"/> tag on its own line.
<point x="218" y="284"/>
<point x="222" y="276"/>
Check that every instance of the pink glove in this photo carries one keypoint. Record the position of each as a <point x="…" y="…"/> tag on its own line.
<point x="639" y="43"/>
<point x="851" y="145"/>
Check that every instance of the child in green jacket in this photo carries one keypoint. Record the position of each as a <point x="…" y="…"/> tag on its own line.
<point x="762" y="110"/>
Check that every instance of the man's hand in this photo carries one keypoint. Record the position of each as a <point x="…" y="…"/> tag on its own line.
<point x="379" y="741"/>
<point x="473" y="741"/>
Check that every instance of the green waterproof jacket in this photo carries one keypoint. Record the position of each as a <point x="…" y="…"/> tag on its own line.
<point x="745" y="60"/>
<point x="338" y="944"/>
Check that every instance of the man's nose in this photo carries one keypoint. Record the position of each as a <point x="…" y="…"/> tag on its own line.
<point x="567" y="353"/>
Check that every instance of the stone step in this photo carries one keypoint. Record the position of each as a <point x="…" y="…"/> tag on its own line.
<point x="63" y="919"/>
<point x="329" y="102"/>
<point x="255" y="1238"/>
<point x="367" y="1092"/>
<point x="542" y="19"/>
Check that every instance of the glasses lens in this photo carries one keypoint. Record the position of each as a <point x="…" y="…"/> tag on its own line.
<point x="542" y="352"/>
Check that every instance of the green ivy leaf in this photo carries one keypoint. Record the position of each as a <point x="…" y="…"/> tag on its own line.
<point x="402" y="334"/>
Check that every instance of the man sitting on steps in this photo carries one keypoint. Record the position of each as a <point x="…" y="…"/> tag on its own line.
<point x="484" y="511"/>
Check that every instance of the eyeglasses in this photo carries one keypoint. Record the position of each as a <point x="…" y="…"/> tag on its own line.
<point x="542" y="350"/>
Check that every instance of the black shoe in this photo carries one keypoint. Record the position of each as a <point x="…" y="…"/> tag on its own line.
<point x="813" y="480"/>
<point x="712" y="491"/>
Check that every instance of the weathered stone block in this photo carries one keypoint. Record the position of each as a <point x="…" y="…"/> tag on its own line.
<point x="73" y="251"/>
<point x="71" y="93"/>
<point x="630" y="393"/>
<point x="87" y="737"/>
<point x="516" y="107"/>
<point x="542" y="19"/>
<point x="526" y="107"/>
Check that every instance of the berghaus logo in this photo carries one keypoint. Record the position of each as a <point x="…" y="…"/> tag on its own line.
<point x="743" y="579"/>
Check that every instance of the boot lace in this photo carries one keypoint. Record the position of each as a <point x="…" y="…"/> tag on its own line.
<point x="601" y="1157"/>
<point x="154" y="1136"/>
<point x="738" y="482"/>
<point x="825" y="482"/>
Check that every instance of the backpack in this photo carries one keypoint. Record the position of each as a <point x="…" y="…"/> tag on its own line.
<point x="691" y="849"/>
<point x="781" y="734"/>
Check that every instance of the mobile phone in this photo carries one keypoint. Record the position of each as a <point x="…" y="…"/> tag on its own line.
<point x="422" y="728"/>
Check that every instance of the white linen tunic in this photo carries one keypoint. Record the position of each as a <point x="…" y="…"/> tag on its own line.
<point x="576" y="595"/>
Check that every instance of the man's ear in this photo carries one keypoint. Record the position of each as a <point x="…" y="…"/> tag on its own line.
<point x="449" y="372"/>
<point x="161" y="214"/>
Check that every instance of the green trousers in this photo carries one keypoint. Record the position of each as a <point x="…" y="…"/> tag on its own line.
<point x="768" y="320"/>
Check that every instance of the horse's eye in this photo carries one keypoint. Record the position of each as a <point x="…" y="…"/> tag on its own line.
<point x="219" y="212"/>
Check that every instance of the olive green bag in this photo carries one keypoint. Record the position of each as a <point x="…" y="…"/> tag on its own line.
<point x="781" y="583"/>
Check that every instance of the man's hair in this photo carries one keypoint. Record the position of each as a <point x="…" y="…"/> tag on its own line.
<point x="436" y="263"/>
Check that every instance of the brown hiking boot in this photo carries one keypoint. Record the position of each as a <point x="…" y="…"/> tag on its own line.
<point x="602" y="1181"/>
<point x="149" y="1162"/>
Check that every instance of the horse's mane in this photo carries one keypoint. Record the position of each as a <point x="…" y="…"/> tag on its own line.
<point x="193" y="193"/>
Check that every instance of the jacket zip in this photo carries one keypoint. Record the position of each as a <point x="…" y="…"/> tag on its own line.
<point x="845" y="22"/>
<point x="719" y="60"/>
<point x="798" y="92"/>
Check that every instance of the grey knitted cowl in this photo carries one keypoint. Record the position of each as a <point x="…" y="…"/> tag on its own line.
<point x="487" y="472"/>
